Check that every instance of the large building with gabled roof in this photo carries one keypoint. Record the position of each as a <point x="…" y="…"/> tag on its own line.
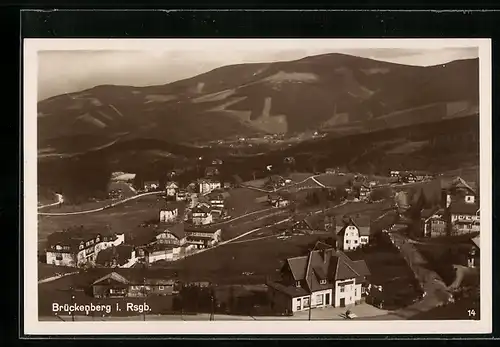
<point x="324" y="277"/>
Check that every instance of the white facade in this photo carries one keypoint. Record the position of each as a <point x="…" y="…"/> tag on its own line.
<point x="217" y="202"/>
<point x="207" y="186"/>
<point x="168" y="255"/>
<point x="320" y="298"/>
<point x="168" y="215"/>
<point x="347" y="292"/>
<point x="351" y="239"/>
<point x="87" y="253"/>
<point x="61" y="258"/>
<point x="202" y="218"/>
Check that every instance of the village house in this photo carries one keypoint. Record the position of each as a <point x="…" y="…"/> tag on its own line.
<point x="211" y="171"/>
<point x="78" y="247"/>
<point x="169" y="214"/>
<point x="205" y="186"/>
<point x="279" y="200"/>
<point x="154" y="245"/>
<point x="202" y="236"/>
<point x="362" y="191"/>
<point x="115" y="256"/>
<point x="115" y="194"/>
<point x="275" y="182"/>
<point x="312" y="223"/>
<point x="181" y="195"/>
<point x="474" y="254"/>
<point x="408" y="177"/>
<point x="322" y="278"/>
<point x="433" y="222"/>
<point x="115" y="285"/>
<point x="200" y="214"/>
<point x="463" y="218"/>
<point x="460" y="191"/>
<point x="395" y="174"/>
<point x="353" y="234"/>
<point x="151" y="186"/>
<point x="216" y="199"/>
<point x="171" y="189"/>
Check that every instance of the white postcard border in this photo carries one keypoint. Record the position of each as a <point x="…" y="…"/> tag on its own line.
<point x="34" y="327"/>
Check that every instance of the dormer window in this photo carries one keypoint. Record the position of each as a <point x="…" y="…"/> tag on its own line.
<point x="322" y="282"/>
<point x="297" y="284"/>
<point x="81" y="246"/>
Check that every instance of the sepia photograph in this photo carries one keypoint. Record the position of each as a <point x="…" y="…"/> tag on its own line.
<point x="300" y="186"/>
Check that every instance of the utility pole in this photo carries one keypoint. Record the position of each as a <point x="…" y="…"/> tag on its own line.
<point x="212" y="303"/>
<point x="310" y="290"/>
<point x="72" y="303"/>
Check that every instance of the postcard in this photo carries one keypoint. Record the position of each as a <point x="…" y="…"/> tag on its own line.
<point x="257" y="186"/>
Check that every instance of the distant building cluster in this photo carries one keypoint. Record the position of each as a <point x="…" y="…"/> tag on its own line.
<point x="459" y="215"/>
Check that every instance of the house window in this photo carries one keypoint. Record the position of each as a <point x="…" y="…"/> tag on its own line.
<point x="363" y="290"/>
<point x="342" y="288"/>
<point x="322" y="282"/>
<point x="347" y="241"/>
<point x="161" y="288"/>
<point x="297" y="284"/>
<point x="59" y="257"/>
<point x="306" y="302"/>
<point x="355" y="241"/>
<point x="319" y="299"/>
<point x="299" y="304"/>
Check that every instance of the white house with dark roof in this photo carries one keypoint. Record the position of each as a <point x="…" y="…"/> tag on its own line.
<point x="202" y="236"/>
<point x="171" y="189"/>
<point x="169" y="214"/>
<point x="464" y="218"/>
<point x="201" y="214"/>
<point x="78" y="246"/>
<point x="353" y="234"/>
<point x="205" y="186"/>
<point x="460" y="191"/>
<point x="324" y="277"/>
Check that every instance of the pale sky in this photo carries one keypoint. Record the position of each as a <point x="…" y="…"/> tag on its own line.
<point x="67" y="71"/>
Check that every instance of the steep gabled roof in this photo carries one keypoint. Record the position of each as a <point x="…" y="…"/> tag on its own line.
<point x="459" y="207"/>
<point x="177" y="230"/>
<point x="429" y="212"/>
<point x="475" y="240"/>
<point x="325" y="264"/>
<point x="113" y="276"/>
<point x="121" y="253"/>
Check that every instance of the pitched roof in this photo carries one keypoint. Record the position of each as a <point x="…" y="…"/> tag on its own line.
<point x="325" y="263"/>
<point x="429" y="212"/>
<point x="177" y="230"/>
<point x="112" y="276"/>
<point x="475" y="240"/>
<point x="459" y="207"/>
<point x="459" y="182"/>
<point x="201" y="208"/>
<point x="171" y="185"/>
<point x="121" y="253"/>
<point x="74" y="236"/>
<point x="362" y="224"/>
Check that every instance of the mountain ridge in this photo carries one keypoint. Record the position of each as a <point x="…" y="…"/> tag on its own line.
<point x="336" y="93"/>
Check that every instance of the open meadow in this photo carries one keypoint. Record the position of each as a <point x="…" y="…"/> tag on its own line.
<point x="242" y="262"/>
<point x="119" y="219"/>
